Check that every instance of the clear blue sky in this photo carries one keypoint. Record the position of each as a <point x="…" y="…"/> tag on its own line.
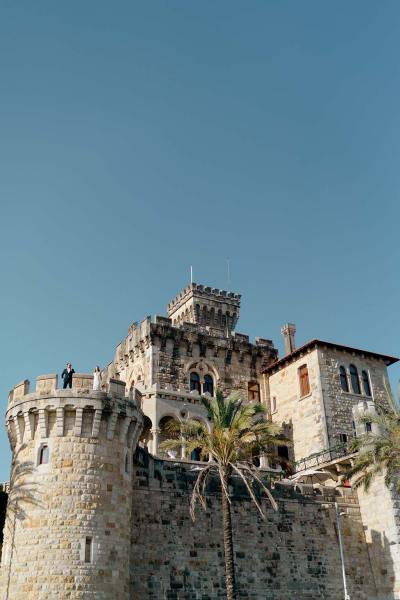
<point x="137" y="138"/>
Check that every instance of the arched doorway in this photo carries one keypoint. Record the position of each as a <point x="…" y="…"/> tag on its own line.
<point x="165" y="434"/>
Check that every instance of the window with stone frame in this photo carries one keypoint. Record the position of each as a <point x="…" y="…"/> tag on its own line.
<point x="366" y="384"/>
<point x="43" y="455"/>
<point x="88" y="549"/>
<point x="195" y="382"/>
<point x="344" y="382"/>
<point x="253" y="390"/>
<point x="343" y="438"/>
<point x="304" y="381"/>
<point x="355" y="380"/>
<point x="208" y="385"/>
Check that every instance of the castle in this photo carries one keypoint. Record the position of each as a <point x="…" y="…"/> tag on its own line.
<point x="97" y="510"/>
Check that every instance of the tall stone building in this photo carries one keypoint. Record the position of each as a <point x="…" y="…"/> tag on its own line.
<point x="173" y="360"/>
<point x="97" y="511"/>
<point x="320" y="390"/>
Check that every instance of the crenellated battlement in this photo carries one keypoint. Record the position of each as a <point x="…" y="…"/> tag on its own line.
<point x="205" y="306"/>
<point x="203" y="291"/>
<point x="80" y="411"/>
<point x="82" y="383"/>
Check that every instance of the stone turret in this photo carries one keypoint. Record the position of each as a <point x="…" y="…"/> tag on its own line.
<point x="68" y="525"/>
<point x="205" y="306"/>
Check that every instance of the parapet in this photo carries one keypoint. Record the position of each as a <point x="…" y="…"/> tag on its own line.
<point x="82" y="383"/>
<point x="202" y="291"/>
<point x="263" y="342"/>
<point x="80" y="411"/>
<point x="159" y="320"/>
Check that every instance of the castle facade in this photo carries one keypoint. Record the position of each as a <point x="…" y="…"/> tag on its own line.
<point x="97" y="511"/>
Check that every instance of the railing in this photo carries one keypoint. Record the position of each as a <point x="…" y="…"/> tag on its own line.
<point x="319" y="458"/>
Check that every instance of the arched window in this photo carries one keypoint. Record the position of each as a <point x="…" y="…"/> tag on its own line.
<point x="355" y="380"/>
<point x="166" y="433"/>
<point x="44" y="455"/>
<point x="195" y="382"/>
<point x="366" y="385"/>
<point x="344" y="382"/>
<point x="126" y="463"/>
<point x="208" y="385"/>
<point x="212" y="316"/>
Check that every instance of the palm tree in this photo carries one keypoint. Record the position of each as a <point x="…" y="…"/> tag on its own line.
<point x="22" y="492"/>
<point x="239" y="432"/>
<point x="378" y="451"/>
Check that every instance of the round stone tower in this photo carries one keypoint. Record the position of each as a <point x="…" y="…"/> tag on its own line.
<point x="68" y="523"/>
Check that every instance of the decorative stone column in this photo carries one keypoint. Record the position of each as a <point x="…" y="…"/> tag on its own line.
<point x="154" y="446"/>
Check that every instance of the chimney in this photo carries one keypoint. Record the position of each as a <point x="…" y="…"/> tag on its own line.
<point x="288" y="331"/>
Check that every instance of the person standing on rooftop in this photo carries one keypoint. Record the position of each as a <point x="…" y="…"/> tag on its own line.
<point x="97" y="379"/>
<point x="67" y="376"/>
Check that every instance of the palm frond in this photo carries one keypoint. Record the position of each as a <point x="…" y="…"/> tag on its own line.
<point x="378" y="451"/>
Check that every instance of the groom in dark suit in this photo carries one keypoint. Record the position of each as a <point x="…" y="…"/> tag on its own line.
<point x="67" y="376"/>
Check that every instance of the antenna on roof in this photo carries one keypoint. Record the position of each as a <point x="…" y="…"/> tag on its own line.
<point x="228" y="271"/>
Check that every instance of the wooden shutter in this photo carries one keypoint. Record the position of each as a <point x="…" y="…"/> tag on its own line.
<point x="304" y="381"/>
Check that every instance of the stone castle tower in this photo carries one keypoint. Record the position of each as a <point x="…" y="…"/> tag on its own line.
<point x="173" y="360"/>
<point x="67" y="533"/>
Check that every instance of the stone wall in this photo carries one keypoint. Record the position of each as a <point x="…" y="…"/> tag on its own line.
<point x="303" y="416"/>
<point x="293" y="554"/>
<point x="380" y="512"/>
<point x="339" y="404"/>
<point x="156" y="353"/>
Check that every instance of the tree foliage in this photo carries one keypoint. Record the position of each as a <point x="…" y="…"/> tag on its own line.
<point x="378" y="452"/>
<point x="238" y="432"/>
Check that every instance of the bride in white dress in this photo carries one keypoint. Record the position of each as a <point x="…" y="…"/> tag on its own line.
<point x="97" y="379"/>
